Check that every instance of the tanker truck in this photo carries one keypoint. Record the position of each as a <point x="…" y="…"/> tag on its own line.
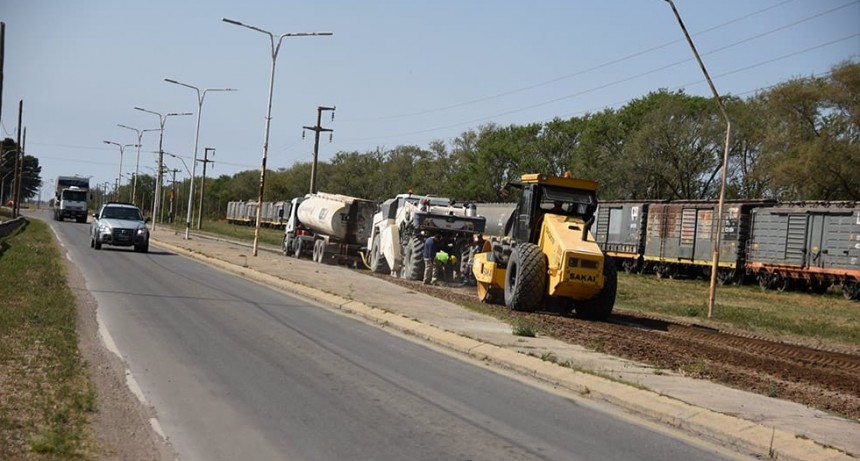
<point x="329" y="227"/>
<point x="70" y="198"/>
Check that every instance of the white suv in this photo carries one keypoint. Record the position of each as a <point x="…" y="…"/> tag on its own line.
<point x="119" y="224"/>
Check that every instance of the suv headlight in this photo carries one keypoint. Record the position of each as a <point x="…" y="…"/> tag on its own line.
<point x="142" y="231"/>
<point x="104" y="228"/>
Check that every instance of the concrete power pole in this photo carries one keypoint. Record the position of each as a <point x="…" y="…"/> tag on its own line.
<point x="317" y="130"/>
<point x="171" y="213"/>
<point x="203" y="182"/>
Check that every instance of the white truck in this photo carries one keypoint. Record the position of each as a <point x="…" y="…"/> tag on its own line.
<point x="330" y="227"/>
<point x="70" y="198"/>
<point x="402" y="224"/>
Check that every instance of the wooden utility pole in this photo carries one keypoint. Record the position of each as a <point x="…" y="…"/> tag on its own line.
<point x="203" y="182"/>
<point x="317" y="130"/>
<point x="18" y="161"/>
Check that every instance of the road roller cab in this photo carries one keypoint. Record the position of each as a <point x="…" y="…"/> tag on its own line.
<point x="548" y="257"/>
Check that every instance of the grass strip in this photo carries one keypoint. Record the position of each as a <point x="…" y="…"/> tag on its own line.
<point x="45" y="394"/>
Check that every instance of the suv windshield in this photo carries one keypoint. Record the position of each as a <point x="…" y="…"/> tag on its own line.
<point x="131" y="214"/>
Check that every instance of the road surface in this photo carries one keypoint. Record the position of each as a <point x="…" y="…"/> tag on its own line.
<point x="236" y="370"/>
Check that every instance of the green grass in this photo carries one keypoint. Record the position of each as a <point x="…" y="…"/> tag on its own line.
<point x="525" y="327"/>
<point x="268" y="236"/>
<point x="827" y="317"/>
<point x="47" y="396"/>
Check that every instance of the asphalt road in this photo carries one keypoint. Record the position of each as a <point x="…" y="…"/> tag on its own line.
<point x="236" y="370"/>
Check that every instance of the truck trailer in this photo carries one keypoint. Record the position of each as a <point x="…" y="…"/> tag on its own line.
<point x="70" y="198"/>
<point x="329" y="227"/>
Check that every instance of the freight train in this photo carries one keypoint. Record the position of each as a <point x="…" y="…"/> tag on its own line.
<point x="807" y="246"/>
<point x="245" y="213"/>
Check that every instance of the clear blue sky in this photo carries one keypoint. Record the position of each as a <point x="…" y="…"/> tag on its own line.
<point x="399" y="72"/>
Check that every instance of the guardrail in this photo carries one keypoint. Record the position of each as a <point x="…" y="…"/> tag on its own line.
<point x="7" y="227"/>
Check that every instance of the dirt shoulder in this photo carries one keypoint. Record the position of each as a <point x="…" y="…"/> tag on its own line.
<point x="121" y="423"/>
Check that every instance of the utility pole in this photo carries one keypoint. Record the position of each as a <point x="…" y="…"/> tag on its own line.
<point x="171" y="213"/>
<point x="317" y="129"/>
<point x="203" y="182"/>
<point x="19" y="159"/>
<point x="2" y="60"/>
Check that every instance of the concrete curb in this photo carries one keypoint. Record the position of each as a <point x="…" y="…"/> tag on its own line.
<point x="746" y="436"/>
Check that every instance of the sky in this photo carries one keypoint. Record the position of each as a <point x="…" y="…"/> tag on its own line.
<point x="398" y="72"/>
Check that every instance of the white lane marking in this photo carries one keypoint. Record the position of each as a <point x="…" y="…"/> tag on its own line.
<point x="109" y="343"/>
<point x="156" y="426"/>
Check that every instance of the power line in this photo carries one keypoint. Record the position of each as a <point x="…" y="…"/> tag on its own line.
<point x="584" y="71"/>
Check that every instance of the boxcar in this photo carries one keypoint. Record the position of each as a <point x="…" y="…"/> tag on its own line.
<point x="679" y="239"/>
<point x="620" y="232"/>
<point x="807" y="245"/>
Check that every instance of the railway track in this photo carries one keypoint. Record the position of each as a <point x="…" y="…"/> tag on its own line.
<point x="807" y="356"/>
<point x="825" y="379"/>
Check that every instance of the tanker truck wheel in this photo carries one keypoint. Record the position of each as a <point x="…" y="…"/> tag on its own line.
<point x="413" y="260"/>
<point x="600" y="306"/>
<point x="298" y="250"/>
<point x="378" y="264"/>
<point x="319" y="251"/>
<point x="525" y="279"/>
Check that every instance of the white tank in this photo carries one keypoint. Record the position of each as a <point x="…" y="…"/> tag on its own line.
<point x="328" y="214"/>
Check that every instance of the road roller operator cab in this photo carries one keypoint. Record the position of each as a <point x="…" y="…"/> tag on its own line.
<point x="548" y="258"/>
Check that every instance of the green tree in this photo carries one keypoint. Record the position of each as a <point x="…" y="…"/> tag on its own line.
<point x="811" y="142"/>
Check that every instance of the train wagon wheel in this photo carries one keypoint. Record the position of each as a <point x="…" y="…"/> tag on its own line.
<point x="783" y="283"/>
<point x="725" y="276"/>
<point x="525" y="279"/>
<point x="765" y="282"/>
<point x="851" y="290"/>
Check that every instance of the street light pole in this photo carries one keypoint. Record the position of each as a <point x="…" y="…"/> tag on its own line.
<point x="137" y="163"/>
<point x="201" y="95"/>
<point x="157" y="202"/>
<point x="119" y="177"/>
<point x="712" y="289"/>
<point x="275" y="50"/>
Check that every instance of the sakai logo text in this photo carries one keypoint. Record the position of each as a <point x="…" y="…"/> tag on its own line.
<point x="583" y="278"/>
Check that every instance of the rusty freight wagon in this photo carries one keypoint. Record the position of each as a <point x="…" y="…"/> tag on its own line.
<point x="679" y="240"/>
<point x="620" y="232"/>
<point x="807" y="245"/>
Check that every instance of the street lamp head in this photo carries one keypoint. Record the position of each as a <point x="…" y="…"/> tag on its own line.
<point x="231" y="21"/>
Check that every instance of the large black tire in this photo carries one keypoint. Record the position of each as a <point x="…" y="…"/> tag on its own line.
<point x="413" y="260"/>
<point x="378" y="264"/>
<point x="600" y="306"/>
<point x="96" y="244"/>
<point x="319" y="251"/>
<point x="298" y="248"/>
<point x="143" y="248"/>
<point x="525" y="279"/>
<point x="285" y="248"/>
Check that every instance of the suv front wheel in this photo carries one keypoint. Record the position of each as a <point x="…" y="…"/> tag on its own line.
<point x="142" y="248"/>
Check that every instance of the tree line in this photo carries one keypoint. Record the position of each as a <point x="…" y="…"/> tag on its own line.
<point x="797" y="140"/>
